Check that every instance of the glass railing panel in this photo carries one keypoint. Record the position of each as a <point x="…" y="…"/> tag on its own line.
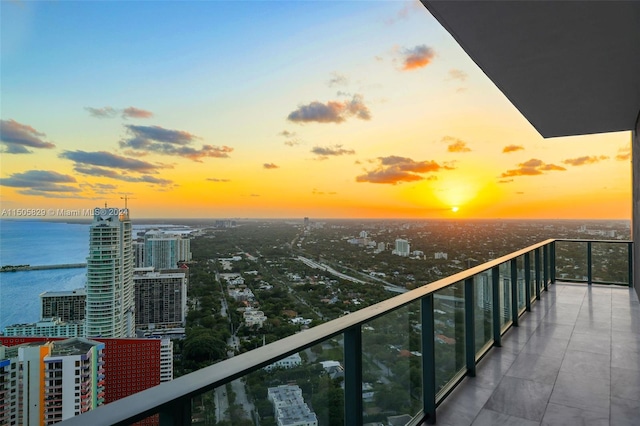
<point x="449" y="333"/>
<point x="504" y="289"/>
<point x="571" y="261"/>
<point x="209" y="408"/>
<point x="520" y="289"/>
<point x="483" y="311"/>
<point x="392" y="365"/>
<point x="308" y="385"/>
<point x="610" y="263"/>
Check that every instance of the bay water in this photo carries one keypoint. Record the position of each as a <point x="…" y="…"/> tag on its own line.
<point x="35" y="242"/>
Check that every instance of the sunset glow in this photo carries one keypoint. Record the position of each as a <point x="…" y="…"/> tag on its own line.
<point x="277" y="109"/>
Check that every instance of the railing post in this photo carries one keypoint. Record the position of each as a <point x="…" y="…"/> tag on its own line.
<point x="545" y="266"/>
<point x="428" y="359"/>
<point x="537" y="267"/>
<point x="469" y="327"/>
<point x="552" y="258"/>
<point x="527" y="281"/>
<point x="353" y="376"/>
<point x="589" y="264"/>
<point x="514" y="292"/>
<point x="495" y="289"/>
<point x="630" y="262"/>
<point x="176" y="414"/>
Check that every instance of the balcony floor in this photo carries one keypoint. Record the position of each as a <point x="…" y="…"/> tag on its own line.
<point x="574" y="360"/>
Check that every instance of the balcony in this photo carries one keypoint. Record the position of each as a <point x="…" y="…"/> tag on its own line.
<point x="465" y="348"/>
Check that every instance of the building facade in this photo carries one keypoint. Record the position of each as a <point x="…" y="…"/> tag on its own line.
<point x="110" y="309"/>
<point x="66" y="305"/>
<point x="403" y="248"/>
<point x="48" y="382"/>
<point x="160" y="298"/>
<point x="129" y="365"/>
<point x="48" y="327"/>
<point x="164" y="250"/>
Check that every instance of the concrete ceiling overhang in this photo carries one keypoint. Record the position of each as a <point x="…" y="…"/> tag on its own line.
<point x="570" y="67"/>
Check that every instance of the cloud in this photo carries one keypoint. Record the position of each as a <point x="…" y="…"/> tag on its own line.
<point x="163" y="141"/>
<point x="512" y="148"/>
<point x="218" y="180"/>
<point x="293" y="141"/>
<point x="407" y="9"/>
<point x="532" y="167"/>
<point x="133" y="112"/>
<point x="100" y="172"/>
<point x="581" y="161"/>
<point x="331" y="112"/>
<point x="417" y="57"/>
<point x="338" y="79"/>
<point x="316" y="192"/>
<point x="110" y="112"/>
<point x="104" y="112"/>
<point x="99" y="188"/>
<point x="17" y="137"/>
<point x="37" y="182"/>
<point x="270" y="166"/>
<point x="456" y="74"/>
<point x="505" y="181"/>
<point x="394" y="169"/>
<point x="624" y="154"/>
<point x="107" y="159"/>
<point x="324" y="152"/>
<point x="455" y="144"/>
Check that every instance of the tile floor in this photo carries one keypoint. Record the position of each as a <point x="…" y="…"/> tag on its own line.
<point x="574" y="360"/>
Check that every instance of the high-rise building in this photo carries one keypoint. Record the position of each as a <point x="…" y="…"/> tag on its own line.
<point x="403" y="248"/>
<point x="110" y="291"/>
<point x="138" y="254"/>
<point x="66" y="305"/>
<point x="164" y="250"/>
<point x="160" y="297"/>
<point x="47" y="382"/>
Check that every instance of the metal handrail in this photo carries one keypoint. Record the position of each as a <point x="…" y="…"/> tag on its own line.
<point x="173" y="398"/>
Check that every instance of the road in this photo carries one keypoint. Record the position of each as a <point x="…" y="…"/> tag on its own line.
<point x="329" y="269"/>
<point x="241" y="397"/>
<point x="222" y="404"/>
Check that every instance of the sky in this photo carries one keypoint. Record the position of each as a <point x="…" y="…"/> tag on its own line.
<point x="276" y="109"/>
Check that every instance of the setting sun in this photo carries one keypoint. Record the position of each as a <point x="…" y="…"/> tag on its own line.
<point x="455" y="209"/>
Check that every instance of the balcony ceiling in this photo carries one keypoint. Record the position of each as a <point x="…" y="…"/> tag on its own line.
<point x="571" y="68"/>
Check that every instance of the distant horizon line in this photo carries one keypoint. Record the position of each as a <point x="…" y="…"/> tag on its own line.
<point x="313" y="219"/>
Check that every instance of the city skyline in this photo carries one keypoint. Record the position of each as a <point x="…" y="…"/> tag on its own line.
<point x="277" y="109"/>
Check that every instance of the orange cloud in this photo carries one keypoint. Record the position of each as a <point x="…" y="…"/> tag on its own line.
<point x="581" y="161"/>
<point x="455" y="144"/>
<point x="624" y="154"/>
<point x="394" y="169"/>
<point x="133" y="112"/>
<point x="270" y="166"/>
<point x="417" y="57"/>
<point x="512" y="148"/>
<point x="532" y="167"/>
